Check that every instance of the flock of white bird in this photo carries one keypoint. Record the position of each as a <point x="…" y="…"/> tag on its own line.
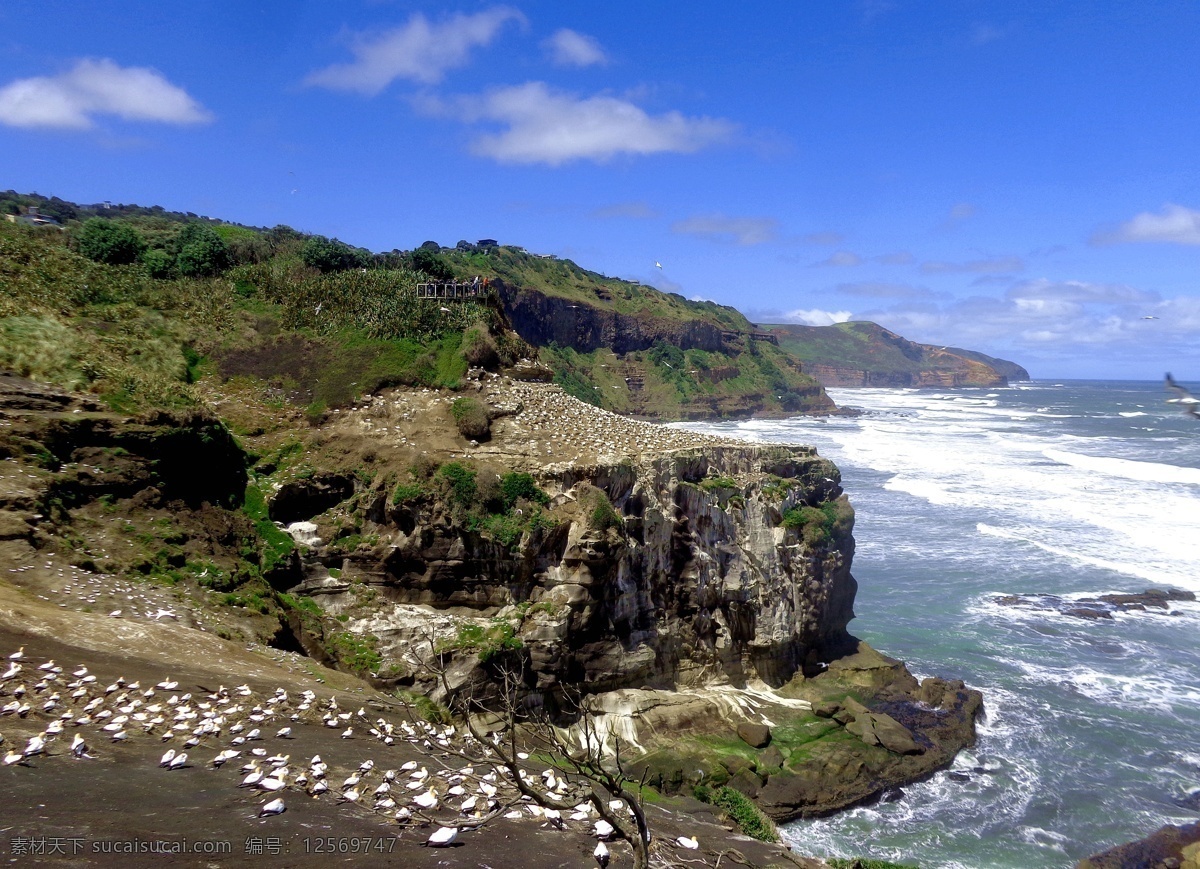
<point x="242" y="725"/>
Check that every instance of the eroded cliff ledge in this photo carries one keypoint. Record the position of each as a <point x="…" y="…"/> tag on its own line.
<point x="683" y="589"/>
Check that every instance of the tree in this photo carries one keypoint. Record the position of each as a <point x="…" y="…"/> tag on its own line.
<point x="426" y="260"/>
<point x="201" y="251"/>
<point x="331" y="255"/>
<point x="107" y="241"/>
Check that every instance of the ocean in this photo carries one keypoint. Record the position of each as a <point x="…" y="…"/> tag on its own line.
<point x="1065" y="488"/>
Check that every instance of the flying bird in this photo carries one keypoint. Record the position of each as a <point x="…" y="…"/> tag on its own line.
<point x="657" y="264"/>
<point x="1188" y="402"/>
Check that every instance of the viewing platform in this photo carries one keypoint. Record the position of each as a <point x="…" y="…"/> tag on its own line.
<point x="452" y="290"/>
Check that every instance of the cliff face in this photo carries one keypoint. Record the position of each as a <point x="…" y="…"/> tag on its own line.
<point x="541" y="319"/>
<point x="658" y="356"/>
<point x="697" y="584"/>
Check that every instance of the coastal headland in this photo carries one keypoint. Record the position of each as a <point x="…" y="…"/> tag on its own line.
<point x="306" y="504"/>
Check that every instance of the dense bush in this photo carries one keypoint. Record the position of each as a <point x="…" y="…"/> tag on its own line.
<point x="201" y="251"/>
<point x="818" y="525"/>
<point x="600" y="512"/>
<point x="331" y="255"/>
<point x="480" y="349"/>
<point x="109" y="241"/>
<point x="471" y="417"/>
<point x="429" y="262"/>
<point x="517" y="485"/>
<point x="461" y="481"/>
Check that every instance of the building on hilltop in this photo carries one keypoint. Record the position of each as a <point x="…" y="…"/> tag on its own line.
<point x="32" y="217"/>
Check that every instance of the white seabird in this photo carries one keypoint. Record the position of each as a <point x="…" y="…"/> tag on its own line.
<point x="442" y="837"/>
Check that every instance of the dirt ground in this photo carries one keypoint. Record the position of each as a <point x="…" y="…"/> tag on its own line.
<point x="120" y="808"/>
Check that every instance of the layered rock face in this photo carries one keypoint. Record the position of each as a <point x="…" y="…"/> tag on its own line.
<point x="699" y="583"/>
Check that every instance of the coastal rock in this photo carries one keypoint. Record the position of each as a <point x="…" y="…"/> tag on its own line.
<point x="1099" y="607"/>
<point x="1177" y="846"/>
<point x="753" y="734"/>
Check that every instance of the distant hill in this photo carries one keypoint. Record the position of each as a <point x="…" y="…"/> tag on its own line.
<point x="134" y="304"/>
<point x="866" y="354"/>
<point x="630" y="348"/>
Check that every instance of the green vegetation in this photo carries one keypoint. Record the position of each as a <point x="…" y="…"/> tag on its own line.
<point x="488" y="641"/>
<point x="330" y="255"/>
<point x="106" y="241"/>
<point x="716" y="484"/>
<point x="740" y="809"/>
<point x="137" y="305"/>
<point x="428" y="709"/>
<point x="461" y="481"/>
<point x="818" y="525"/>
<point x="600" y="511"/>
<point x="516" y="485"/>
<point x="277" y="545"/>
<point x="358" y="653"/>
<point x="471" y="418"/>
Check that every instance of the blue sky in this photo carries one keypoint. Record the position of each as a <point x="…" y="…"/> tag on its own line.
<point x="1013" y="177"/>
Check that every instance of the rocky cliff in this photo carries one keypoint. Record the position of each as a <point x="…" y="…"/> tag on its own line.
<point x="674" y="586"/>
<point x="864" y="354"/>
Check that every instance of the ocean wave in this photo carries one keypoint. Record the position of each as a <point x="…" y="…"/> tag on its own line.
<point x="1144" y="472"/>
<point x="1143" y="690"/>
<point x="1154" y="570"/>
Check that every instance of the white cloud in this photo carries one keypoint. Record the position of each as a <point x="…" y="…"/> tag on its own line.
<point x="1080" y="292"/>
<point x="419" y="51"/>
<point x="1063" y="320"/>
<point x="74" y="98"/>
<point x="841" y="258"/>
<point x="1175" y="225"/>
<point x="568" y="48"/>
<point x="993" y="266"/>
<point x="816" y="317"/>
<point x="899" y="258"/>
<point x="962" y="211"/>
<point x="742" y="231"/>
<point x="553" y="127"/>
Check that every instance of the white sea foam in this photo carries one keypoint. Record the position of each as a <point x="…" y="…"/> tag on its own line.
<point x="1145" y="472"/>
<point x="1131" y="413"/>
<point x="1165" y="691"/>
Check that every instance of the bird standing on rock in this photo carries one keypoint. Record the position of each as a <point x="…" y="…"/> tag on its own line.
<point x="601" y="854"/>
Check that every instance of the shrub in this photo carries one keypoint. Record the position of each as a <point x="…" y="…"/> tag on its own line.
<point x="516" y="485"/>
<point x="428" y="261"/>
<point x="405" y="492"/>
<point x="479" y="348"/>
<point x="108" y="241"/>
<point x="497" y="637"/>
<point x="461" y="480"/>
<point x="159" y="263"/>
<point x="601" y="513"/>
<point x="818" y="525"/>
<point x="331" y="255"/>
<point x="358" y="654"/>
<point x="713" y="484"/>
<point x="201" y="251"/>
<point x="741" y="811"/>
<point x="471" y="417"/>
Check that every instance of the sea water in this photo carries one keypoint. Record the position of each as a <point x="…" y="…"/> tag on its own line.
<point x="1073" y="488"/>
